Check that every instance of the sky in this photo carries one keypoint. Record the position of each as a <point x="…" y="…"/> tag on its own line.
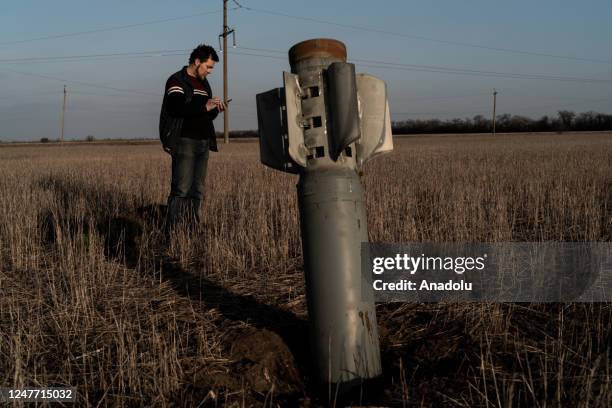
<point x="540" y="56"/>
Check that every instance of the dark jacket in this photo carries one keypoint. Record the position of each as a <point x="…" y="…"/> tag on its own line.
<point x="183" y="112"/>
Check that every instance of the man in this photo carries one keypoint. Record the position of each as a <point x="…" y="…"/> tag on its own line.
<point x="187" y="133"/>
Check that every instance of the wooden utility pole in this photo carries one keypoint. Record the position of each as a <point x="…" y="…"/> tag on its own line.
<point x="494" y="105"/>
<point x="226" y="112"/>
<point x="63" y="115"/>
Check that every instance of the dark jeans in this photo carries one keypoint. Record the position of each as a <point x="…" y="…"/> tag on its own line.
<point x="189" y="164"/>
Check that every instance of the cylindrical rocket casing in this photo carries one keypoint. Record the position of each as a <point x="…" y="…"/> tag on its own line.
<point x="344" y="332"/>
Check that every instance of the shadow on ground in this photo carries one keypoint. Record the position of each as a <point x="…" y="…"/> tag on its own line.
<point x="271" y="352"/>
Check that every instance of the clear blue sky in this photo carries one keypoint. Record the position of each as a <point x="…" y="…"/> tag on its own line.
<point x="30" y="105"/>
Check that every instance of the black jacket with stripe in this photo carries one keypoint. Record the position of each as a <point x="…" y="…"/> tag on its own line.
<point x="183" y="112"/>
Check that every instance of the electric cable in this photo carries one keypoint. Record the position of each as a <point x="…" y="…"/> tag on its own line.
<point x="100" y="30"/>
<point x="429" y="39"/>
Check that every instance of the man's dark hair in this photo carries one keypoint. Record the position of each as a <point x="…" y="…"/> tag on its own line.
<point x="203" y="52"/>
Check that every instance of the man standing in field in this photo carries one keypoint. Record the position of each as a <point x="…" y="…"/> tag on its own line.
<point x="187" y="133"/>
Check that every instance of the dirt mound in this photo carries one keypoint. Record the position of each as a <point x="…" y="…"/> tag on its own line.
<point x="264" y="361"/>
<point x="261" y="364"/>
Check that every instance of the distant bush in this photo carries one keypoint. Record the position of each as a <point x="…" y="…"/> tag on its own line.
<point x="44" y="140"/>
<point x="90" y="138"/>
<point x="243" y="133"/>
<point x="233" y="134"/>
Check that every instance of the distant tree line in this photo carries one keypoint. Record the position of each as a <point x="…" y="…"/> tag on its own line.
<point x="239" y="134"/>
<point x="565" y="121"/>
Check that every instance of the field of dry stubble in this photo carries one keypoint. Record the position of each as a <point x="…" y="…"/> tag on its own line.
<point x="91" y="297"/>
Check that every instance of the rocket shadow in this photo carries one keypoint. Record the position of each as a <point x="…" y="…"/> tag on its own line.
<point x="122" y="227"/>
<point x="111" y="214"/>
<point x="239" y="308"/>
<point x="275" y="341"/>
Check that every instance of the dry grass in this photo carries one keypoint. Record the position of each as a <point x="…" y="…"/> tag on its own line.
<point x="91" y="297"/>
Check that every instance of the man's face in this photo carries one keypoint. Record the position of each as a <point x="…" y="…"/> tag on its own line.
<point x="202" y="69"/>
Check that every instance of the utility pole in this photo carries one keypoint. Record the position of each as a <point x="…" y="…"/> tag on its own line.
<point x="63" y="115"/>
<point x="494" y="106"/>
<point x="226" y="112"/>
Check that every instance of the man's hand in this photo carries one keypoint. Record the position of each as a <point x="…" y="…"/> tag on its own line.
<point x="168" y="150"/>
<point x="215" y="102"/>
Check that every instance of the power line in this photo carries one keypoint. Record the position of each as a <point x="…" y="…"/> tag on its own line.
<point x="385" y="65"/>
<point x="442" y="69"/>
<point x="264" y="50"/>
<point x="445" y="70"/>
<point x="381" y="64"/>
<point x="93" y="85"/>
<point x="473" y="72"/>
<point x="566" y="104"/>
<point x="435" y="98"/>
<point x="34" y="95"/>
<point x="423" y="38"/>
<point x="363" y="62"/>
<point x="73" y="94"/>
<point x="258" y="55"/>
<point x="100" y="30"/>
<point x="131" y="54"/>
<point x="310" y="19"/>
<point x="472" y="111"/>
<point x="77" y="93"/>
<point x="476" y="110"/>
<point x="154" y="53"/>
